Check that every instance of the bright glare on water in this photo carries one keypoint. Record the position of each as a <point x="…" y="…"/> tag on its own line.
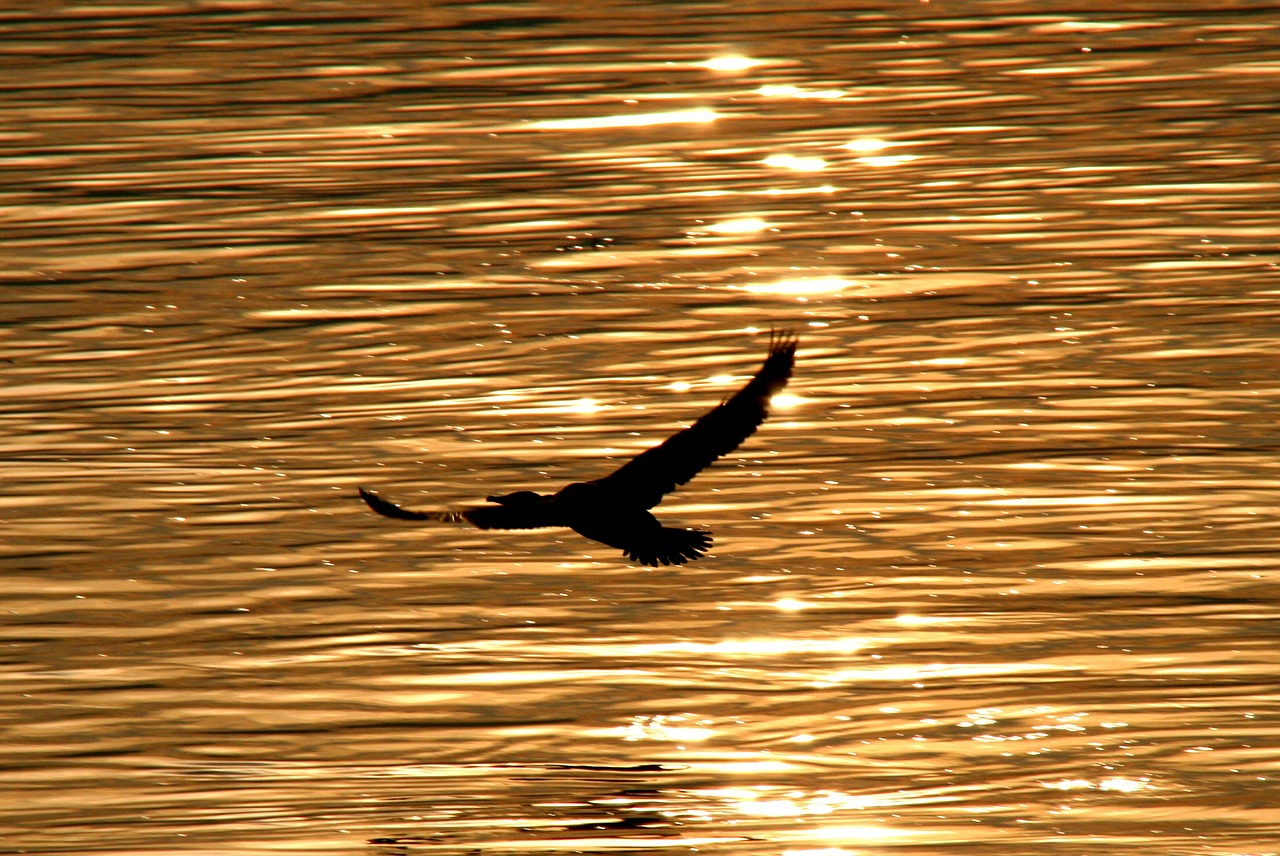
<point x="999" y="576"/>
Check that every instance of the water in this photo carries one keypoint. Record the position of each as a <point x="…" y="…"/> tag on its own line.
<point x="999" y="579"/>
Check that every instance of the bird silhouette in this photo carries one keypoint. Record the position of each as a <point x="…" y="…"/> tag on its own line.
<point x="614" y="510"/>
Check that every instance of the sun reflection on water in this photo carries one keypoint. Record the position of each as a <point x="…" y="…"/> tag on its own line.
<point x="787" y="90"/>
<point x="771" y="802"/>
<point x="737" y="226"/>
<point x="929" y="671"/>
<point x="867" y="145"/>
<point x="755" y="647"/>
<point x="870" y="147"/>
<point x="786" y="401"/>
<point x="1115" y="783"/>
<point x="731" y="62"/>
<point x="801" y="285"/>
<point x="697" y="115"/>
<point x="794" y="191"/>
<point x="665" y="728"/>
<point x="795" y="163"/>
<point x="762" y="801"/>
<point x="582" y="406"/>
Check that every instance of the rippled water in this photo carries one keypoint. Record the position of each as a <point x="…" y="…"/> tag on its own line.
<point x="998" y="578"/>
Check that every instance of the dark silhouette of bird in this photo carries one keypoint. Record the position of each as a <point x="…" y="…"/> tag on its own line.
<point x="614" y="510"/>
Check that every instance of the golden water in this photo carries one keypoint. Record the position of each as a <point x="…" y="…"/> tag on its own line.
<point x="998" y="577"/>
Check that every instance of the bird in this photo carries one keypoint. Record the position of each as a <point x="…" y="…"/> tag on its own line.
<point x="614" y="509"/>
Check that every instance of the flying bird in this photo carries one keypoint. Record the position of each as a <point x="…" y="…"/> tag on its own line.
<point x="614" y="510"/>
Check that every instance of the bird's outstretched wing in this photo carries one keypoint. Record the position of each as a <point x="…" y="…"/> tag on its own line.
<point x="481" y="516"/>
<point x="660" y="470"/>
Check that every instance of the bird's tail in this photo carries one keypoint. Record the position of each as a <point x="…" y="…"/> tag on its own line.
<point x="670" y="546"/>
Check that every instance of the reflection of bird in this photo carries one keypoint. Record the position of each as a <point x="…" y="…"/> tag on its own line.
<point x="614" y="510"/>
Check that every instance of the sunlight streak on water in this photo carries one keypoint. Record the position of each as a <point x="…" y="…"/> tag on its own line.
<point x="787" y="90"/>
<point x="801" y="286"/>
<point x="739" y="226"/>
<point x="731" y="62"/>
<point x="749" y="647"/>
<point x="795" y="163"/>
<point x="697" y="115"/>
<point x="787" y="401"/>
<point x="1121" y="784"/>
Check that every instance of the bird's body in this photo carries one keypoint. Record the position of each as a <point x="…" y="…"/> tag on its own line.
<point x="614" y="510"/>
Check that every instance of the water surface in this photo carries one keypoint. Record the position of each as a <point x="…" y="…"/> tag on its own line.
<point x="999" y="577"/>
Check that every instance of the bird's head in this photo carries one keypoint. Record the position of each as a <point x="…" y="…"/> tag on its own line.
<point x="518" y="499"/>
